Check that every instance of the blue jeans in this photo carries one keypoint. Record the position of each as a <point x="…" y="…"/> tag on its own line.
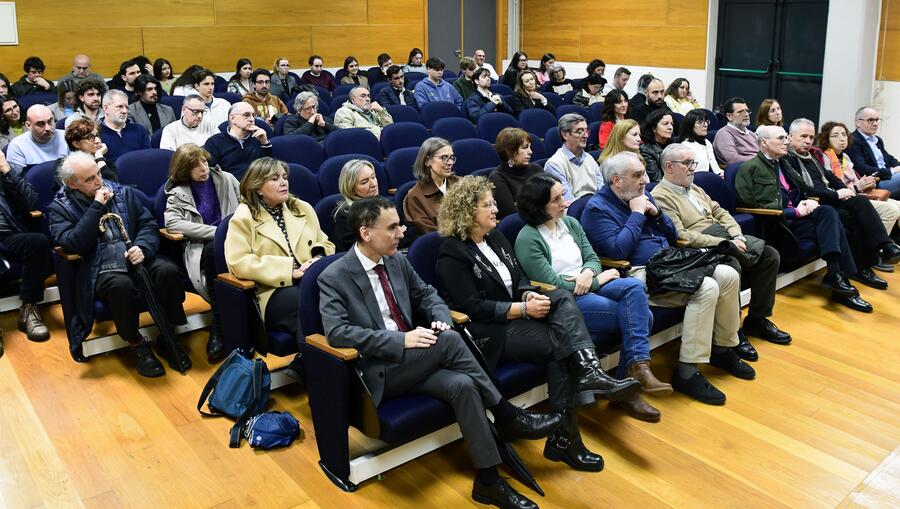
<point x="620" y="306"/>
<point x="892" y="185"/>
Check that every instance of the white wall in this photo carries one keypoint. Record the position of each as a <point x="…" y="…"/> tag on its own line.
<point x="886" y="99"/>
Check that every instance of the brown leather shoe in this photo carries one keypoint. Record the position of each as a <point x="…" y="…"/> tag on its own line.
<point x="637" y="407"/>
<point x="640" y="371"/>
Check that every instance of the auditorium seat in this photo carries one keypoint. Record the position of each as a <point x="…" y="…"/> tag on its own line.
<point x="433" y="111"/>
<point x="355" y="140"/>
<point x="571" y="108"/>
<point x="145" y="169"/>
<point x="404" y="113"/>
<point x="552" y="141"/>
<point x="490" y="124"/>
<point x="325" y="212"/>
<point x="473" y="154"/>
<point x="399" y="166"/>
<point x="401" y="135"/>
<point x="300" y="149"/>
<point x="454" y="128"/>
<point x="303" y="184"/>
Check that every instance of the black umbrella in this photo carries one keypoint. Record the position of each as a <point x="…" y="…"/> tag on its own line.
<point x="145" y="286"/>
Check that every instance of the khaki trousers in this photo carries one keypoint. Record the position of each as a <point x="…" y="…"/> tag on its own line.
<point x="712" y="314"/>
<point x="889" y="212"/>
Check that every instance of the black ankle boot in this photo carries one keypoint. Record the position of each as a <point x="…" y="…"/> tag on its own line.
<point x="591" y="378"/>
<point x="215" y="345"/>
<point x="565" y="445"/>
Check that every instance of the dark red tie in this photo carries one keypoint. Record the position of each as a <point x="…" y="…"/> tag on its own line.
<point x="396" y="315"/>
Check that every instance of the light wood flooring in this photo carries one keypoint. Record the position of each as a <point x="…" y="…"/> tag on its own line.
<point x="819" y="427"/>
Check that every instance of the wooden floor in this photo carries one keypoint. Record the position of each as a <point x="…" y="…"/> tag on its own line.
<point x="819" y="427"/>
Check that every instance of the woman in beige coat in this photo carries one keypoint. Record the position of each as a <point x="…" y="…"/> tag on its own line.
<point x="272" y="240"/>
<point x="197" y="198"/>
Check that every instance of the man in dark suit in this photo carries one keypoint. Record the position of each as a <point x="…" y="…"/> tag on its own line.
<point x="868" y="154"/>
<point x="147" y="110"/>
<point x="368" y="301"/>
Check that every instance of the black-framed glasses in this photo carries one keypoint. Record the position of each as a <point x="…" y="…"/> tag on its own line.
<point x="262" y="82"/>
<point x="200" y="111"/>
<point x="690" y="163"/>
<point x="447" y="159"/>
<point x="704" y="122"/>
<point x="91" y="137"/>
<point x="871" y="121"/>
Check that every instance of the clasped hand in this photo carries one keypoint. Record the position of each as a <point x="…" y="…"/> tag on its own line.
<point x="420" y="337"/>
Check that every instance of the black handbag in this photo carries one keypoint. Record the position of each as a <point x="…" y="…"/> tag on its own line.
<point x="682" y="269"/>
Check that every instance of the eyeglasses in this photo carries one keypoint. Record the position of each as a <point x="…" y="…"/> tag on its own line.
<point x="489" y="204"/>
<point x="837" y="135"/>
<point x="704" y="122"/>
<point x="447" y="159"/>
<point x="91" y="137"/>
<point x="200" y="111"/>
<point x="314" y="107"/>
<point x="579" y="132"/>
<point x="690" y="163"/>
<point x="11" y="109"/>
<point x="871" y="120"/>
<point x="263" y="82"/>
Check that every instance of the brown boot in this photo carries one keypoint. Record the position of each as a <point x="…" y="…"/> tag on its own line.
<point x="30" y="323"/>
<point x="637" y="407"/>
<point x="640" y="371"/>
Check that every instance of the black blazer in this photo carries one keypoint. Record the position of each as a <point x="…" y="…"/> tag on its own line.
<point x="863" y="158"/>
<point x="792" y="165"/>
<point x="469" y="283"/>
<point x="520" y="103"/>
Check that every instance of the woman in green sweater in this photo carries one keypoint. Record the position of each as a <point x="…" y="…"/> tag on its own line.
<point x="553" y="249"/>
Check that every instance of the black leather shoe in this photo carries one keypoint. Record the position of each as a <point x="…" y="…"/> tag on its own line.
<point x="502" y="495"/>
<point x="566" y="445"/>
<point x="215" y="346"/>
<point x="591" y="378"/>
<point x="838" y="283"/>
<point x="890" y="253"/>
<point x="181" y="362"/>
<point x="868" y="278"/>
<point x="699" y="388"/>
<point x="764" y="329"/>
<point x="854" y="302"/>
<point x="145" y="362"/>
<point x="728" y="360"/>
<point x="530" y="425"/>
<point x="744" y="349"/>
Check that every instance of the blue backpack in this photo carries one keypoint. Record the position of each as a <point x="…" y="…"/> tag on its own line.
<point x="240" y="390"/>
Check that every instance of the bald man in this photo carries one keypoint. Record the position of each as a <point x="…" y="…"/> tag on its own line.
<point x="41" y="141"/>
<point x="81" y="70"/>
<point x="242" y="143"/>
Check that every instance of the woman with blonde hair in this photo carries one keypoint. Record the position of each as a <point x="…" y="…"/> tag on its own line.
<point x="272" y="240"/>
<point x="197" y="198"/>
<point x="624" y="137"/>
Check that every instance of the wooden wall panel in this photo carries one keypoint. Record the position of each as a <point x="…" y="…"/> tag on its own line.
<point x="213" y="33"/>
<point x="218" y="48"/>
<point x="290" y="12"/>
<point x="659" y="33"/>
<point x="365" y="42"/>
<point x="887" y="67"/>
<point x="396" y="12"/>
<point x="57" y="47"/>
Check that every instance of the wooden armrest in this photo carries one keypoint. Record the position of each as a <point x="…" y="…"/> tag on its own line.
<point x="681" y="243"/>
<point x="392" y="191"/>
<point x="35" y="214"/>
<point x="458" y="317"/>
<point x="760" y="212"/>
<point x="66" y="256"/>
<point x="615" y="264"/>
<point x="344" y="354"/>
<point x="240" y="284"/>
<point x="543" y="287"/>
<point x="166" y="234"/>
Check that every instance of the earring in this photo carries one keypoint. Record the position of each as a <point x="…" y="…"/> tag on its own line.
<point x="509" y="163"/>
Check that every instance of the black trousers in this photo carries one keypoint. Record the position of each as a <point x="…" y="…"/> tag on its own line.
<point x="282" y="310"/>
<point x="762" y="274"/>
<point x="865" y="231"/>
<point x="208" y="267"/>
<point x="125" y="302"/>
<point x="551" y="341"/>
<point x="824" y="228"/>
<point x="32" y="250"/>
<point x="448" y="371"/>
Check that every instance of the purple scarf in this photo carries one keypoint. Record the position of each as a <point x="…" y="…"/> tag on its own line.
<point x="207" y="201"/>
